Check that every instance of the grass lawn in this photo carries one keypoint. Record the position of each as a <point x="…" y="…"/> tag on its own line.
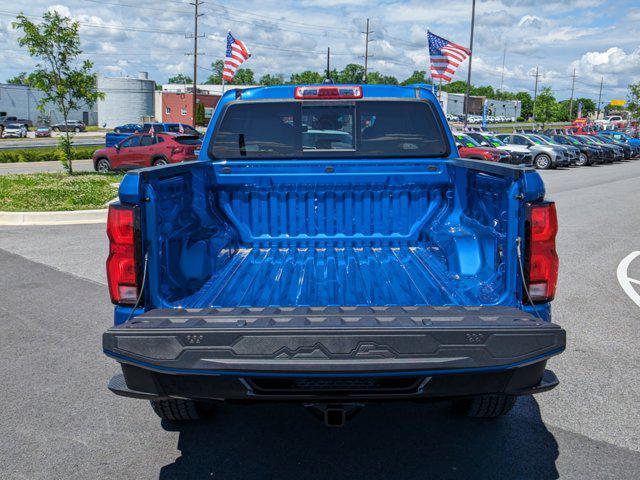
<point x="44" y="192"/>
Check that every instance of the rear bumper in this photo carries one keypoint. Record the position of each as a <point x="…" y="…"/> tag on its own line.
<point x="234" y="353"/>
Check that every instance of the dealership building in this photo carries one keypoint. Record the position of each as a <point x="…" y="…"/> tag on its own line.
<point x="22" y="101"/>
<point x="174" y="103"/>
<point x="453" y="104"/>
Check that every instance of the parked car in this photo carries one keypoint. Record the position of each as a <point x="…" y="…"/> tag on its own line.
<point x="6" y="120"/>
<point x="628" y="150"/>
<point x="608" y="154"/>
<point x="621" y="137"/>
<point x="588" y="154"/>
<point x="71" y="126"/>
<point x="145" y="150"/>
<point x="618" y="151"/>
<point x="544" y="156"/>
<point x="128" y="128"/>
<point x="330" y="278"/>
<point x="520" y="155"/>
<point x="112" y="138"/>
<point x="573" y="153"/>
<point x="43" y="131"/>
<point x="14" y="130"/>
<point x="469" y="148"/>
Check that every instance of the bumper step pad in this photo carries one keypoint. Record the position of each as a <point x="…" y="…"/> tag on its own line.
<point x="339" y="340"/>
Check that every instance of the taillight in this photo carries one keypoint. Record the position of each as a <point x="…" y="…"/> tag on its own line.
<point x="542" y="258"/>
<point x="122" y="263"/>
<point x="328" y="92"/>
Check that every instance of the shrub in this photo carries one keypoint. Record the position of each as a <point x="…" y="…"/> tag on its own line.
<point x="43" y="154"/>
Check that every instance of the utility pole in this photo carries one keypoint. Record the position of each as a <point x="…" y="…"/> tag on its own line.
<point x="599" y="98"/>
<point x="366" y="51"/>
<point x="196" y="16"/>
<point x="573" y="84"/>
<point x="504" y="56"/>
<point x="535" y="94"/>
<point x="328" y="75"/>
<point x="466" y="95"/>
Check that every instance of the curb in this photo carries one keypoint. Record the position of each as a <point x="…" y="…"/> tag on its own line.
<point x="74" y="217"/>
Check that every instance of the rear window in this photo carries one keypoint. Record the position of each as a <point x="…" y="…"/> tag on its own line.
<point x="188" y="140"/>
<point x="324" y="129"/>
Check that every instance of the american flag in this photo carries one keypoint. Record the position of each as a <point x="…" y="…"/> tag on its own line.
<point x="446" y="57"/>
<point x="237" y="53"/>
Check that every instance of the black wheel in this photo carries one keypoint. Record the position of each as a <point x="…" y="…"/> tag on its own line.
<point x="543" y="162"/>
<point x="582" y="160"/>
<point x="103" y="165"/>
<point x="160" y="161"/>
<point x="56" y="129"/>
<point x="180" y="410"/>
<point x="77" y="130"/>
<point x="116" y="130"/>
<point x="485" y="406"/>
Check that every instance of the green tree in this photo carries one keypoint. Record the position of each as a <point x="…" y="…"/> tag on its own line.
<point x="375" y="78"/>
<point x="352" y="73"/>
<point x="216" y="77"/>
<point x="200" y="114"/>
<point x="306" y="77"/>
<point x="546" y="106"/>
<point x="244" y="76"/>
<point x="486" y="91"/>
<point x="455" y="87"/>
<point x="268" y="79"/>
<point x="66" y="82"/>
<point x="180" y="78"/>
<point x="21" y="79"/>
<point x="633" y="100"/>
<point x="588" y="106"/>
<point x="526" y="103"/>
<point x="418" y="76"/>
<point x="562" y="111"/>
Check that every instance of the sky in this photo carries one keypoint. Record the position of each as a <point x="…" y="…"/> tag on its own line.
<point x="597" y="38"/>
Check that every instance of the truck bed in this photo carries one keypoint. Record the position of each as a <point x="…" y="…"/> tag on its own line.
<point x="338" y="276"/>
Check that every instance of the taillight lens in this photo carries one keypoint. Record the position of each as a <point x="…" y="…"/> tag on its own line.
<point x="122" y="265"/>
<point x="542" y="261"/>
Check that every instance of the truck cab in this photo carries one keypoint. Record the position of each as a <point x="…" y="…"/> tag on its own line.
<point x="330" y="249"/>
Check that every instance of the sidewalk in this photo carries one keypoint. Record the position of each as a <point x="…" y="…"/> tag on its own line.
<point x="42" y="167"/>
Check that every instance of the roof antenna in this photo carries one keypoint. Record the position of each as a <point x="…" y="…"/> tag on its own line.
<point x="327" y="78"/>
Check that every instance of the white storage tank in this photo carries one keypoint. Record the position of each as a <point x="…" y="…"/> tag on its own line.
<point x="126" y="100"/>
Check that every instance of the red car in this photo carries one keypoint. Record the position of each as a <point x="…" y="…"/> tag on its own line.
<point x="469" y="148"/>
<point x="144" y="150"/>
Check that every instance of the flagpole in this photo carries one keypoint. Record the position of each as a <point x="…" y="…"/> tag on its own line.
<point x="466" y="95"/>
<point x="222" y="85"/>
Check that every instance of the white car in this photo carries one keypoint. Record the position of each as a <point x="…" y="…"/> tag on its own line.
<point x="14" y="130"/>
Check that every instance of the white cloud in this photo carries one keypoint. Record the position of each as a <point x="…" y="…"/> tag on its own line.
<point x="614" y="64"/>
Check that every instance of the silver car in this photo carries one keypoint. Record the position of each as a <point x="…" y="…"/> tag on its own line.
<point x="14" y="130"/>
<point x="544" y="156"/>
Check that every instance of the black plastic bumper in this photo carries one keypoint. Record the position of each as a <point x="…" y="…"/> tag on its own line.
<point x="234" y="353"/>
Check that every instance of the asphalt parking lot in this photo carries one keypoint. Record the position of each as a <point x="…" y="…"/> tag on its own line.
<point x="60" y="421"/>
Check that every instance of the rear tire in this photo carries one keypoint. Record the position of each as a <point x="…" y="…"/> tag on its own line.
<point x="542" y="162"/>
<point x="160" y="161"/>
<point x="103" y="165"/>
<point x="175" y="410"/>
<point x="76" y="130"/>
<point x="485" y="406"/>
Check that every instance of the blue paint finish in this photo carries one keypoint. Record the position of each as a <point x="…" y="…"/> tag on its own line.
<point x="122" y="313"/>
<point x="396" y="231"/>
<point x="218" y="373"/>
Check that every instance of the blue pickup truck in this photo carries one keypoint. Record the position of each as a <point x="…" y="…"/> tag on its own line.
<point x="330" y="249"/>
<point x="112" y="138"/>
